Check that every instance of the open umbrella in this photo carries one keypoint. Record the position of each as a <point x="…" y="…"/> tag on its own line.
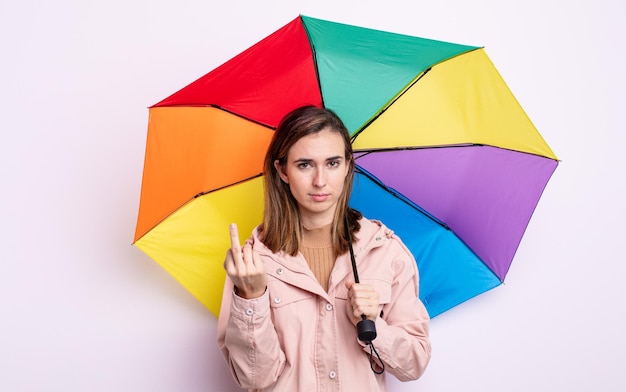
<point x="445" y="155"/>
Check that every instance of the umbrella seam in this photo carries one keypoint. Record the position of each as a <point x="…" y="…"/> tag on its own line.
<point x="314" y="55"/>
<point x="192" y="199"/>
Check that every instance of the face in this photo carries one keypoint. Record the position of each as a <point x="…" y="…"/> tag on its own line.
<point x="315" y="170"/>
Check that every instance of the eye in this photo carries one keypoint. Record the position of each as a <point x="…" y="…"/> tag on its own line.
<point x="303" y="165"/>
<point x="334" y="163"/>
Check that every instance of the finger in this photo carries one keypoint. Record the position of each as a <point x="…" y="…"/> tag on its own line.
<point x="234" y="237"/>
<point x="235" y="246"/>
<point x="248" y="261"/>
<point x="349" y="283"/>
<point x="364" y="290"/>
<point x="364" y="295"/>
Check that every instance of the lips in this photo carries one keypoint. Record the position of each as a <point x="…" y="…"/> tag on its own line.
<point x="320" y="196"/>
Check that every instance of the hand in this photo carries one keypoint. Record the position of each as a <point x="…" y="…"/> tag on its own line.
<point x="245" y="268"/>
<point x="363" y="299"/>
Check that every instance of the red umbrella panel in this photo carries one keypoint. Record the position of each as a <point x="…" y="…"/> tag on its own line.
<point x="446" y="156"/>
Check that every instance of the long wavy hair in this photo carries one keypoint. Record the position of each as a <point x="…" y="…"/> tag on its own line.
<point x="281" y="229"/>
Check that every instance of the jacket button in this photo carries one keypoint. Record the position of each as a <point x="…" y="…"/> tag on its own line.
<point x="280" y="271"/>
<point x="332" y="374"/>
<point x="276" y="300"/>
<point x="249" y="312"/>
<point x="329" y="307"/>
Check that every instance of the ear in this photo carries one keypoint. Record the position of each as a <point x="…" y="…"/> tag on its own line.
<point x="281" y="173"/>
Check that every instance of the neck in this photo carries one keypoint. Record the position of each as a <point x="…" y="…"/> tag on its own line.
<point x="316" y="221"/>
<point x="315" y="226"/>
<point x="316" y="237"/>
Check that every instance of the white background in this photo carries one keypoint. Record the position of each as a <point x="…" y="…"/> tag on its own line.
<point x="83" y="310"/>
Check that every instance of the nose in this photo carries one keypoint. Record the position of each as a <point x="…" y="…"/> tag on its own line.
<point x="319" y="179"/>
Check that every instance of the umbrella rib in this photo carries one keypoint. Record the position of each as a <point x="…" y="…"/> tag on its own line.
<point x="406" y="88"/>
<point x="359" y="169"/>
<point x="197" y="196"/>
<point x="218" y="107"/>
<point x="227" y="186"/>
<point x="366" y="151"/>
<point x="403" y="198"/>
<point x="391" y="102"/>
<point x="314" y="54"/>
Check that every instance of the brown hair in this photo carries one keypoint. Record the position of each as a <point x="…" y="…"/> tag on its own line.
<point x="281" y="229"/>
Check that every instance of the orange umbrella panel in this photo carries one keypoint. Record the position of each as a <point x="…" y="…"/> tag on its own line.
<point x="195" y="150"/>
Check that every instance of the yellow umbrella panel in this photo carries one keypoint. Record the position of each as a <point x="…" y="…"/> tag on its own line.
<point x="198" y="178"/>
<point x="191" y="243"/>
<point x="460" y="101"/>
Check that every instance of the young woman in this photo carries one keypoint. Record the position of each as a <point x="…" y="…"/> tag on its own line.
<point x="290" y="304"/>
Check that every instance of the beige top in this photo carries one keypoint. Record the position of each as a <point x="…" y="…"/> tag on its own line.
<point x="318" y="251"/>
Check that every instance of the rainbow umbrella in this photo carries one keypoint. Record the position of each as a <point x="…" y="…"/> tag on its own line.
<point x="446" y="156"/>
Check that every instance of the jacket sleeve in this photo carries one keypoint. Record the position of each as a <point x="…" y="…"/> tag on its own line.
<point x="403" y="342"/>
<point x="248" y="341"/>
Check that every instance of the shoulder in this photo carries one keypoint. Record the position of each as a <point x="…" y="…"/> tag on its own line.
<point x="376" y="232"/>
<point x="385" y="253"/>
<point x="369" y="228"/>
<point x="256" y="240"/>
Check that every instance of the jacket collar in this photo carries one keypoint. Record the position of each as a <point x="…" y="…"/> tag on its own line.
<point x="372" y="234"/>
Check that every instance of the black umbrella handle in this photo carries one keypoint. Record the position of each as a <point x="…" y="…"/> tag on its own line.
<point x="366" y="329"/>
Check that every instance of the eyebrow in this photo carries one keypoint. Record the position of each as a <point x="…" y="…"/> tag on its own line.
<point x="308" y="160"/>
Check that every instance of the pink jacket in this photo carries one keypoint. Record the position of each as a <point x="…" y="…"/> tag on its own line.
<point x="297" y="337"/>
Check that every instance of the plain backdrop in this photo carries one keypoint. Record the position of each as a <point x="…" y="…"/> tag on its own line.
<point x="83" y="310"/>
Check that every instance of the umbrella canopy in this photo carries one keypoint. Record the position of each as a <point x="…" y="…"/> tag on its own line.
<point x="445" y="155"/>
